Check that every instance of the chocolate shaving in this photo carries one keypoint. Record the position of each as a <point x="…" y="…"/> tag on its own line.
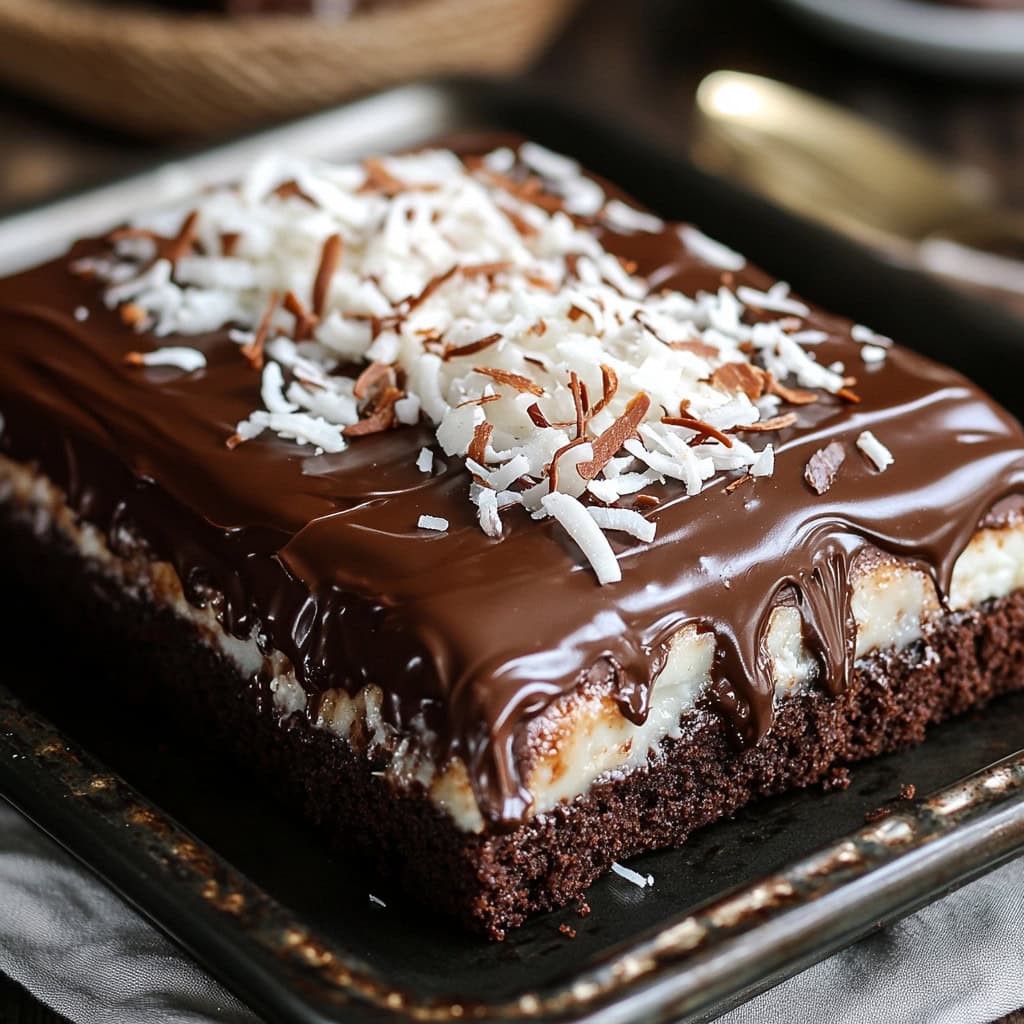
<point x="132" y="315"/>
<point x="229" y="243"/>
<point x="484" y="269"/>
<point x="740" y="378"/>
<point x="513" y="380"/>
<point x="787" y="419"/>
<point x="520" y="223"/>
<point x="822" y="467"/>
<point x="380" y="179"/>
<point x="541" y="282"/>
<point x="381" y="417"/>
<point x="738" y="482"/>
<point x="795" y="396"/>
<point x="698" y="348"/>
<point x="611" y="440"/>
<point x="482" y="400"/>
<point x="429" y="288"/>
<point x="575" y="313"/>
<point x="171" y="249"/>
<point x="553" y="464"/>
<point x="609" y="385"/>
<point x="371" y="377"/>
<point x="253" y="351"/>
<point x="330" y="257"/>
<point x="304" y="320"/>
<point x="181" y="244"/>
<point x="380" y="323"/>
<point x="539" y="419"/>
<point x="702" y="428"/>
<point x="650" y="330"/>
<point x="478" y="446"/>
<point x="293" y="304"/>
<point x="577" y="401"/>
<point x="290" y="189"/>
<point x="471" y="347"/>
<point x="530" y="190"/>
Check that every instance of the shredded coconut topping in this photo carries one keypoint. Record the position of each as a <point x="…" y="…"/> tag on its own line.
<point x="476" y="294"/>
<point x="425" y="461"/>
<point x="879" y="455"/>
<point x="866" y="336"/>
<point x="437" y="523"/>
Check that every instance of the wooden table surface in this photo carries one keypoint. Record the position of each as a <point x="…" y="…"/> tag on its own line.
<point x="642" y="59"/>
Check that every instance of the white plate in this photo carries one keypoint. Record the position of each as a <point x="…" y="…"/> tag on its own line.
<point x="985" y="43"/>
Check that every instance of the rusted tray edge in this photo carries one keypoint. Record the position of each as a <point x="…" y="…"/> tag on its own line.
<point x="792" y="918"/>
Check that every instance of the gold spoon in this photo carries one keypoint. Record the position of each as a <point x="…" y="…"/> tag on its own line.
<point x="834" y="167"/>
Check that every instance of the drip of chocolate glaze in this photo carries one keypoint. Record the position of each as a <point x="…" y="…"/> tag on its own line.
<point x="470" y="638"/>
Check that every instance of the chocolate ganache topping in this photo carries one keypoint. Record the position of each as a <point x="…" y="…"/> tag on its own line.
<point x="469" y="636"/>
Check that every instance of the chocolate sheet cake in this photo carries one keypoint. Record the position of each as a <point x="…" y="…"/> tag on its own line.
<point x="506" y="527"/>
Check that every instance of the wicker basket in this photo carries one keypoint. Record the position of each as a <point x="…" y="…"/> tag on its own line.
<point x="160" y="74"/>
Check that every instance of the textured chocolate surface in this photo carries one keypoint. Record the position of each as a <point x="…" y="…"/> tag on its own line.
<point x="323" y="557"/>
<point x="493" y="882"/>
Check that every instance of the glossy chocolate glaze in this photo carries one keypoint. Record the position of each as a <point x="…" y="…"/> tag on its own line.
<point x="470" y="637"/>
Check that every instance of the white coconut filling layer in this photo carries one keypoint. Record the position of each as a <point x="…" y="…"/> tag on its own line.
<point x="584" y="737"/>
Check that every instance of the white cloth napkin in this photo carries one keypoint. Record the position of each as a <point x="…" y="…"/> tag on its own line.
<point x="81" y="950"/>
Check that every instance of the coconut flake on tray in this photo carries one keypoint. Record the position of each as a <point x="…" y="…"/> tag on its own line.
<point x="476" y="294"/>
<point x="637" y="879"/>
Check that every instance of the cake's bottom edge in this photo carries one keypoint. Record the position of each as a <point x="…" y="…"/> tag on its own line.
<point x="492" y="881"/>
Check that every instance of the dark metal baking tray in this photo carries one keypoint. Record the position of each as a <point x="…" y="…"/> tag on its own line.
<point x="252" y="892"/>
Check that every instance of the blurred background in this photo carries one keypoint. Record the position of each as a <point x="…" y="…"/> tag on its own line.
<point x="93" y="89"/>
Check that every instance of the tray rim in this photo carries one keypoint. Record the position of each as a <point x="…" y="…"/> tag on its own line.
<point x="660" y="974"/>
<point x="698" y="962"/>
